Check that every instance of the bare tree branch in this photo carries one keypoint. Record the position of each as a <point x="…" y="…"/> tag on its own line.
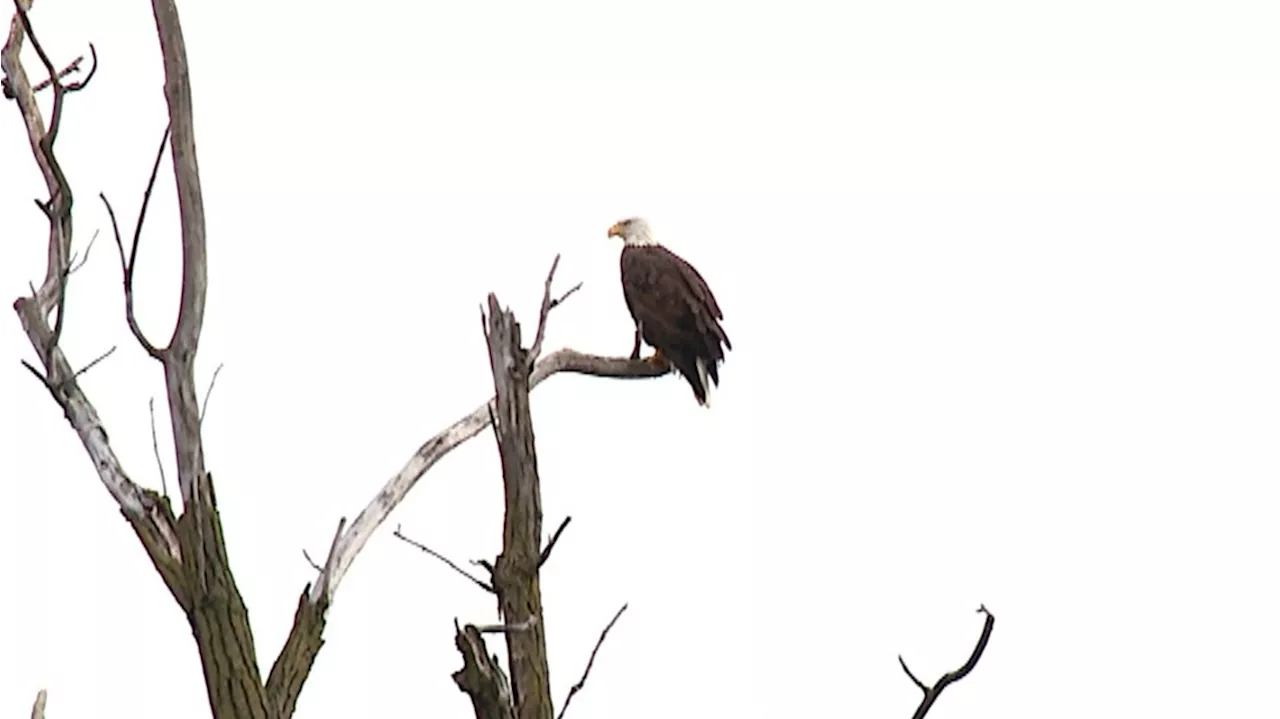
<point x="155" y="445"/>
<point x="448" y="439"/>
<point x="37" y="707"/>
<point x="52" y="293"/>
<point x="73" y="66"/>
<point x="476" y="580"/>
<point x="129" y="265"/>
<point x="590" y="662"/>
<point x="204" y="407"/>
<point x="548" y="304"/>
<point x="551" y="544"/>
<point x="180" y="355"/>
<point x="76" y="262"/>
<point x="80" y="372"/>
<point x="931" y="694"/>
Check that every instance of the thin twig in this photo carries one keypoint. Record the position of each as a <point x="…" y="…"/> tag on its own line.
<point x="73" y="265"/>
<point x="74" y="66"/>
<point x="311" y="561"/>
<point x="155" y="445"/>
<point x="43" y="380"/>
<point x="96" y="360"/>
<point x="583" y="681"/>
<point x="78" y="85"/>
<point x="560" y="300"/>
<point x="126" y="269"/>
<point x="913" y="678"/>
<point x="204" y="407"/>
<point x="479" y="582"/>
<point x="555" y="537"/>
<point x="146" y="200"/>
<point x="931" y="694"/>
<point x="548" y="304"/>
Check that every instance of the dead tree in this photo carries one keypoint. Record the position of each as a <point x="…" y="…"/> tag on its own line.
<point x="515" y="575"/>
<point x="186" y="546"/>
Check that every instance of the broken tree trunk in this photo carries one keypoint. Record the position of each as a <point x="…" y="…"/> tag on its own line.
<point x="515" y="575"/>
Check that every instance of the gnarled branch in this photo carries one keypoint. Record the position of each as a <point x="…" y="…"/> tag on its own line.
<point x="481" y="676"/>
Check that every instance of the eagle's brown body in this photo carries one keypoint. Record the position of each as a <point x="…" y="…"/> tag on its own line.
<point x="675" y="313"/>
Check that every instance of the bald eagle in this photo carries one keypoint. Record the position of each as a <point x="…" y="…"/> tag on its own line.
<point x="674" y="310"/>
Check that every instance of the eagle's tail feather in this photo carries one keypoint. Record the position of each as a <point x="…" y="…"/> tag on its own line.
<point x="704" y="397"/>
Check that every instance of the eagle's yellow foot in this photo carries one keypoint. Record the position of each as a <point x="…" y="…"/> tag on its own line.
<point x="656" y="359"/>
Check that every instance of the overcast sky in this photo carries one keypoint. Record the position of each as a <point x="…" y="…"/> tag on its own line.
<point x="1000" y="279"/>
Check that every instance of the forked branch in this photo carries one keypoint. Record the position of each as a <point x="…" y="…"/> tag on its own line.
<point x="129" y="265"/>
<point x="448" y="439"/>
<point x="548" y="304"/>
<point x="150" y="517"/>
<point x="932" y="693"/>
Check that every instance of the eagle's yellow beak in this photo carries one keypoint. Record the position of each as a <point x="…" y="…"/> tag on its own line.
<point x="616" y="230"/>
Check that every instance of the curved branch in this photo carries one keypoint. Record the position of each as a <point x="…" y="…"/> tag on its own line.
<point x="150" y="517"/>
<point x="931" y="694"/>
<point x="448" y="439"/>
<point x="179" y="360"/>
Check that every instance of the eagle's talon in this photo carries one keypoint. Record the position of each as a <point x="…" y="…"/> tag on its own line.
<point x="656" y="359"/>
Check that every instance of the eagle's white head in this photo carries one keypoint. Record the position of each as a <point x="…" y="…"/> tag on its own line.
<point x="633" y="231"/>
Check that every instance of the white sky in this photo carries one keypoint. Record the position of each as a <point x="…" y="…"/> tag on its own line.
<point x="1000" y="277"/>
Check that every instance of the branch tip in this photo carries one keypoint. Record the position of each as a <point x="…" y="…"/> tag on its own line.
<point x="155" y="445"/>
<point x="591" y="661"/>
<point x="551" y="544"/>
<point x="544" y="310"/>
<point x="37" y="707"/>
<point x="424" y="548"/>
<point x="204" y="407"/>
